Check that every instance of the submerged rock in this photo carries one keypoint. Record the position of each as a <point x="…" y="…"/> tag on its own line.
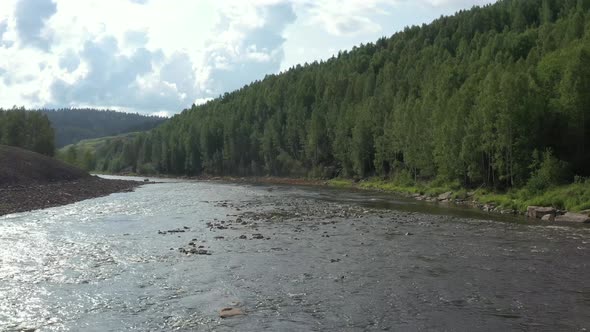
<point x="230" y="312"/>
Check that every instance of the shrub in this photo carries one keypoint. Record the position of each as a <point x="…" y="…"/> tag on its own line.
<point x="549" y="172"/>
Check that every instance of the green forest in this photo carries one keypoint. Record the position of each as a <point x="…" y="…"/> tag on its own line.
<point x="495" y="96"/>
<point x="27" y="130"/>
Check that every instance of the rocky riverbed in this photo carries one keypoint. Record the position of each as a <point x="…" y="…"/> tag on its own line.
<point x="20" y="198"/>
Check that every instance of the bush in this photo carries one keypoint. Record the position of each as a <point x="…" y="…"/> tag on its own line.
<point x="403" y="178"/>
<point x="549" y="172"/>
<point x="146" y="169"/>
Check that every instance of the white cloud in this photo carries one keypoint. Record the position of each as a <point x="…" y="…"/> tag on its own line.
<point x="345" y="17"/>
<point x="30" y="18"/>
<point x="245" y="47"/>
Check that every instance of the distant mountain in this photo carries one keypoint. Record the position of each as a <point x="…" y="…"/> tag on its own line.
<point x="74" y="125"/>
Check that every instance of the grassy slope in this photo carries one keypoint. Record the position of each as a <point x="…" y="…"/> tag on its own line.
<point x="572" y="197"/>
<point x="94" y="143"/>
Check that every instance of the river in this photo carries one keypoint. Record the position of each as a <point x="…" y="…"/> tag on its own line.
<point x="292" y="259"/>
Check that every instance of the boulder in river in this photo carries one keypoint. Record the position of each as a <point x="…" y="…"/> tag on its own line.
<point x="548" y="217"/>
<point x="445" y="197"/>
<point x="573" y="217"/>
<point x="230" y="312"/>
<point x="539" y="211"/>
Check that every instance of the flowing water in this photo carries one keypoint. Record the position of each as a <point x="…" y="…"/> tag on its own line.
<point x="327" y="260"/>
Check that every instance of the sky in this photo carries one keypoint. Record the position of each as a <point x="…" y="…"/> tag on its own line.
<point x="161" y="56"/>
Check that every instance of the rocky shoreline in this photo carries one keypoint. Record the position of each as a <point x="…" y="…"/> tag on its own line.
<point x="444" y="198"/>
<point x="14" y="199"/>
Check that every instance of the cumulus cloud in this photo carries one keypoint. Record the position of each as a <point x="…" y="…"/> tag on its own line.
<point x="178" y="70"/>
<point x="3" y="28"/>
<point x="31" y="16"/>
<point x="128" y="81"/>
<point x="246" y="50"/>
<point x="352" y="17"/>
<point x="136" y="38"/>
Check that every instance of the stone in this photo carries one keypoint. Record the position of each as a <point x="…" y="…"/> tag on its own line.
<point x="445" y="196"/>
<point x="539" y="211"/>
<point x="585" y="212"/>
<point x="230" y="312"/>
<point x="548" y="217"/>
<point x="573" y="217"/>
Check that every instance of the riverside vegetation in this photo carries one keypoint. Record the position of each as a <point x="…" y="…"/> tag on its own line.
<point x="496" y="98"/>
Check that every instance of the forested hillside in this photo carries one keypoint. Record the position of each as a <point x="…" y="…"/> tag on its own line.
<point x="95" y="154"/>
<point x="498" y="96"/>
<point x="73" y="125"/>
<point x="27" y="130"/>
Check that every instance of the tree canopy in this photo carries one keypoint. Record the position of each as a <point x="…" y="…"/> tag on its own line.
<point x="476" y="97"/>
<point x="27" y="130"/>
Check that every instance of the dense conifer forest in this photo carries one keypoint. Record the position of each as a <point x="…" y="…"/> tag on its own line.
<point x="496" y="96"/>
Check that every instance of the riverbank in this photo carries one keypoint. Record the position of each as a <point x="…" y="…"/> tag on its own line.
<point x="567" y="198"/>
<point x="573" y="197"/>
<point x="15" y="199"/>
<point x="31" y="181"/>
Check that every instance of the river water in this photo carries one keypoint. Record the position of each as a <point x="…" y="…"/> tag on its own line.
<point x="324" y="260"/>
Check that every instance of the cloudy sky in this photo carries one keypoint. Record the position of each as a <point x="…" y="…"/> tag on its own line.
<point x="160" y="56"/>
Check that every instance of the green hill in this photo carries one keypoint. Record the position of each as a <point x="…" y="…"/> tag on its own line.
<point x="74" y="125"/>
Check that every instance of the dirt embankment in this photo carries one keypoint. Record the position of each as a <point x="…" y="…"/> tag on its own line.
<point x="30" y="181"/>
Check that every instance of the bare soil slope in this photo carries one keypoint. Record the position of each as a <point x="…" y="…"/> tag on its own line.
<point x="30" y="181"/>
<point x="20" y="167"/>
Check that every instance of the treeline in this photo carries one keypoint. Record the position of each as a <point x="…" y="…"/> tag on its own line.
<point x="496" y="95"/>
<point x="27" y="130"/>
<point x="74" y="125"/>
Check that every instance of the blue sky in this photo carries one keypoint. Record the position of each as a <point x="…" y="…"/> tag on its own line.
<point x="160" y="56"/>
